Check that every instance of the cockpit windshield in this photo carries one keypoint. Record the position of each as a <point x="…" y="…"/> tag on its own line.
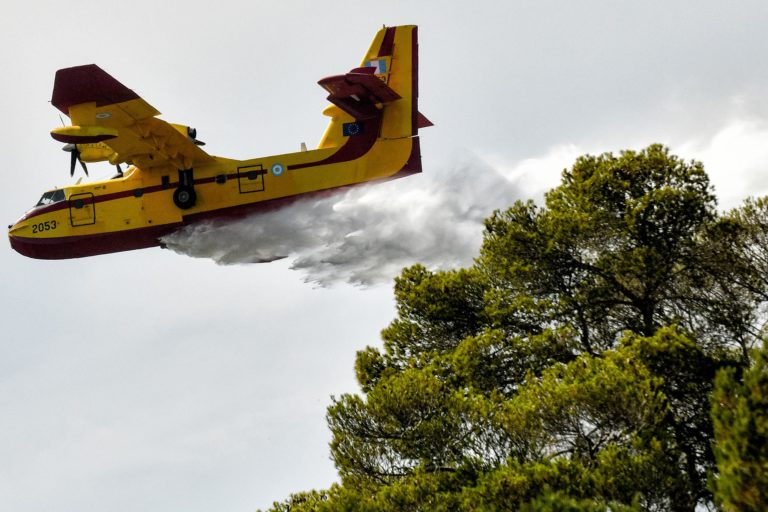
<point x="54" y="196"/>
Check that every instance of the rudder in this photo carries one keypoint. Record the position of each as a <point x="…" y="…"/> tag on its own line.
<point x="385" y="85"/>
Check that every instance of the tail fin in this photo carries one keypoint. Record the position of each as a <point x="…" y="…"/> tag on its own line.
<point x="385" y="86"/>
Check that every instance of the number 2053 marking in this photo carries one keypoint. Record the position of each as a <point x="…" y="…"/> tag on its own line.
<point x="48" y="225"/>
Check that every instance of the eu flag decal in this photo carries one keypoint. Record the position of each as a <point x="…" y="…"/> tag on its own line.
<point x="352" y="129"/>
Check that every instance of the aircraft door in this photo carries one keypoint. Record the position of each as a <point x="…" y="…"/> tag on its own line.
<point x="82" y="209"/>
<point x="251" y="178"/>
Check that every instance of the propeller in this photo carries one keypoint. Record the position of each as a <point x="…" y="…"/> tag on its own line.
<point x="192" y="133"/>
<point x="72" y="150"/>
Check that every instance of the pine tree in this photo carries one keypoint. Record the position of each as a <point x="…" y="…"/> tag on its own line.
<point x="740" y="412"/>
<point x="572" y="366"/>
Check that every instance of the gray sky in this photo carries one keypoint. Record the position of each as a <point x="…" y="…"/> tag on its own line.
<point x="154" y="381"/>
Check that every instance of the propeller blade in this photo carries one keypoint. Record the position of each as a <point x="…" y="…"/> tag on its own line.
<point x="85" y="169"/>
<point x="72" y="150"/>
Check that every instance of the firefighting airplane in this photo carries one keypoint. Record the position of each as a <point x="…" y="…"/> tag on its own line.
<point x="171" y="181"/>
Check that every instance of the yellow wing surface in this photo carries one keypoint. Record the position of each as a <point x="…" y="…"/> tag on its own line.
<point x="111" y="122"/>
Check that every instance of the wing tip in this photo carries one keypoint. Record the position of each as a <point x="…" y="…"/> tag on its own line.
<point x="86" y="84"/>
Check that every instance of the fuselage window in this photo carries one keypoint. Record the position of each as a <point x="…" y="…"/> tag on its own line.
<point x="54" y="196"/>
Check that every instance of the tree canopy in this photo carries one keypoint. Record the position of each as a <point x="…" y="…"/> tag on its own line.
<point x="599" y="355"/>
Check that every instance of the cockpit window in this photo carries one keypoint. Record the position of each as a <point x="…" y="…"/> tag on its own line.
<point x="54" y="196"/>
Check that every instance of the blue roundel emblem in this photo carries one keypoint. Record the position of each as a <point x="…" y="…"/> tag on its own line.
<point x="277" y="169"/>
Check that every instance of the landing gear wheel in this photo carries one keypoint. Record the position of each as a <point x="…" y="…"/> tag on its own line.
<point x="184" y="197"/>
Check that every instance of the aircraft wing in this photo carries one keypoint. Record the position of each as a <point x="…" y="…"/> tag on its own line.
<point x="105" y="111"/>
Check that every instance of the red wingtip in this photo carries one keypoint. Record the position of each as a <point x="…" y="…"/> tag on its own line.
<point x="85" y="84"/>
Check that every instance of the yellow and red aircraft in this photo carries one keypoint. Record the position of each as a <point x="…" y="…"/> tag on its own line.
<point x="171" y="181"/>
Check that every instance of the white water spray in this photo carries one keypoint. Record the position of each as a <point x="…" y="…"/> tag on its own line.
<point x="363" y="235"/>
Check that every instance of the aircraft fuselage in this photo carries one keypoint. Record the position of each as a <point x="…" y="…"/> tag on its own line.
<point x="372" y="135"/>
<point x="136" y="210"/>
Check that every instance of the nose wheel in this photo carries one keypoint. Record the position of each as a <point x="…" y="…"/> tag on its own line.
<point x="184" y="196"/>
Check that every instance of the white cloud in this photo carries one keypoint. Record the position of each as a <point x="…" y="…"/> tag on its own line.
<point x="535" y="175"/>
<point x="736" y="158"/>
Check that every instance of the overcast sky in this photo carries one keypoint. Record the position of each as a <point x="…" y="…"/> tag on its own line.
<point x="155" y="381"/>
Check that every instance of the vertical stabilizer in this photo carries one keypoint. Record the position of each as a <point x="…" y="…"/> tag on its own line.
<point x="381" y="93"/>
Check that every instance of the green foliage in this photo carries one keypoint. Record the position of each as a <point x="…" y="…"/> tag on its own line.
<point x="494" y="362"/>
<point x="736" y="261"/>
<point x="572" y="367"/>
<point x="304" y="501"/>
<point x="593" y="402"/>
<point x="558" y="502"/>
<point x="412" y="411"/>
<point x="740" y="412"/>
<point x="614" y="249"/>
<point x="435" y="311"/>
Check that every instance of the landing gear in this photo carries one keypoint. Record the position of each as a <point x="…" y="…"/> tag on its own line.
<point x="185" y="197"/>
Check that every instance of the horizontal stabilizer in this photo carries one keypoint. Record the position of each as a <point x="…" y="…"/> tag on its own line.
<point x="358" y="92"/>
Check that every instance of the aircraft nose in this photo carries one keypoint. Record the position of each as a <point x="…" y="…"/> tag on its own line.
<point x="11" y="229"/>
<point x="13" y="240"/>
<point x="27" y="247"/>
<point x="21" y="244"/>
<point x="16" y="243"/>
